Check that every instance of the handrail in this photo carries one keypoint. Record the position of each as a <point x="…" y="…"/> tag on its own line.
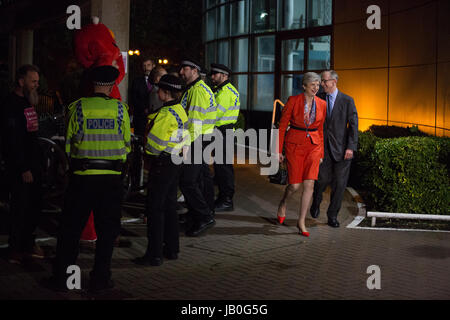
<point x="275" y="109"/>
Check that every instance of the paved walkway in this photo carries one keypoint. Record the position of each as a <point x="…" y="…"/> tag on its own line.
<point x="248" y="256"/>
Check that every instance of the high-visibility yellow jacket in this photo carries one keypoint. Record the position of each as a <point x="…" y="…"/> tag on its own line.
<point x="168" y="132"/>
<point x="228" y="104"/>
<point x="98" y="128"/>
<point x="200" y="104"/>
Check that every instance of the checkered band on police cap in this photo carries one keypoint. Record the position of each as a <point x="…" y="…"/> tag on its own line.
<point x="104" y="75"/>
<point x="171" y="83"/>
<point x="191" y="63"/>
<point x="216" y="67"/>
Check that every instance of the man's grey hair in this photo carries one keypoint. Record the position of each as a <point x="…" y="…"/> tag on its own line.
<point x="333" y="74"/>
<point x="310" y="77"/>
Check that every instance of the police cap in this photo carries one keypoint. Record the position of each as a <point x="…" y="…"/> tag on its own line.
<point x="220" y="68"/>
<point x="170" y="82"/>
<point x="191" y="63"/>
<point x="104" y="75"/>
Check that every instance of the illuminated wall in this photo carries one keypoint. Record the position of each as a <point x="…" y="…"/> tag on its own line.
<point x="398" y="75"/>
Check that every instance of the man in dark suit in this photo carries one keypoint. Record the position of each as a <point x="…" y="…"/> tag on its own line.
<point x="139" y="97"/>
<point x="341" y="141"/>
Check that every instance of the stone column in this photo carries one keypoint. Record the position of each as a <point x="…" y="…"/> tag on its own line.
<point x="12" y="57"/>
<point x="24" y="47"/>
<point x="115" y="14"/>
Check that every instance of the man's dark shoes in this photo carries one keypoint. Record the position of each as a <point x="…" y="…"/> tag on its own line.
<point x="333" y="223"/>
<point x="148" y="261"/>
<point x="315" y="212"/>
<point x="55" y="284"/>
<point x="99" y="286"/>
<point x="223" y="205"/>
<point x="199" y="228"/>
<point x="170" y="255"/>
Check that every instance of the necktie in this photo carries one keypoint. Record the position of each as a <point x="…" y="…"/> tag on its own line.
<point x="329" y="109"/>
<point x="149" y="85"/>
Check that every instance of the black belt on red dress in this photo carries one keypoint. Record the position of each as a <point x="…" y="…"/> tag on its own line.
<point x="303" y="129"/>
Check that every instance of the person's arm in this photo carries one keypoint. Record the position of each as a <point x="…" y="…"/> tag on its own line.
<point x="126" y="129"/>
<point x="352" y="138"/>
<point x="197" y="112"/>
<point x="321" y="131"/>
<point x="71" y="127"/>
<point x="160" y="133"/>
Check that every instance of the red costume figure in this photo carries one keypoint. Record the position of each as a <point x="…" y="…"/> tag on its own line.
<point x="95" y="46"/>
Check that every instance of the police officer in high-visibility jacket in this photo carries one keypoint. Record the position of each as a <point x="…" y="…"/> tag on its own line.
<point x="166" y="138"/>
<point x="196" y="182"/>
<point x="97" y="142"/>
<point x="228" y="104"/>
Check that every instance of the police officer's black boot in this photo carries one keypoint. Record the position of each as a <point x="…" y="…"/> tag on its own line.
<point x="224" y="204"/>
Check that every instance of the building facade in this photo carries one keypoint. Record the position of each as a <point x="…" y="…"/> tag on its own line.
<point x="398" y="74"/>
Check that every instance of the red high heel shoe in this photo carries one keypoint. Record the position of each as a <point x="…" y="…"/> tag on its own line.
<point x="281" y="219"/>
<point x="305" y="234"/>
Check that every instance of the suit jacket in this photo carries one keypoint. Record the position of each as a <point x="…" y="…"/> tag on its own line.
<point x="139" y="98"/>
<point x="293" y="113"/>
<point x="341" y="130"/>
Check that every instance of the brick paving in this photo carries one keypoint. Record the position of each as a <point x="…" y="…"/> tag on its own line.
<point x="247" y="256"/>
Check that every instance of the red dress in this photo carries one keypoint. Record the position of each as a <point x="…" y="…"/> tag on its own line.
<point x="303" y="149"/>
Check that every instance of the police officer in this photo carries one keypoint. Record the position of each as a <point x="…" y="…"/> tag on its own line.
<point x="227" y="99"/>
<point x="167" y="136"/>
<point x="97" y="142"/>
<point x="196" y="182"/>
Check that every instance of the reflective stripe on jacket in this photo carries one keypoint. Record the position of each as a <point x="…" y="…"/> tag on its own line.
<point x="98" y="128"/>
<point x="200" y="105"/>
<point x="169" y="130"/>
<point x="228" y="104"/>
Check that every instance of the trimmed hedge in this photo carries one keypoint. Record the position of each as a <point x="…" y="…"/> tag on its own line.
<point x="404" y="175"/>
<point x="396" y="132"/>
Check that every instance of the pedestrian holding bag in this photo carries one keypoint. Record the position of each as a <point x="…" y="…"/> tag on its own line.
<point x="281" y="176"/>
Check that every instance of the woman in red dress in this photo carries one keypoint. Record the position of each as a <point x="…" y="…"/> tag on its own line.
<point x="305" y="115"/>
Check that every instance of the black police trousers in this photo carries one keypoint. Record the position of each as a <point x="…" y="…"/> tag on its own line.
<point x="197" y="186"/>
<point x="101" y="194"/>
<point x="162" y="218"/>
<point x="26" y="203"/>
<point x="224" y="173"/>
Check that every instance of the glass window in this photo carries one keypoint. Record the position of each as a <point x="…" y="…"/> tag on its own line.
<point x="264" y="15"/>
<point x="223" y="21"/>
<point x="319" y="56"/>
<point x="262" y="92"/>
<point x="222" y="52"/>
<point x="291" y="85"/>
<point x="293" y="14"/>
<point x="240" y="82"/>
<point x="210" y="3"/>
<point x="292" y="55"/>
<point x="319" y="12"/>
<point x="264" y="54"/>
<point x="239" y="55"/>
<point x="211" y="25"/>
<point x="239" y="18"/>
<point x="210" y="54"/>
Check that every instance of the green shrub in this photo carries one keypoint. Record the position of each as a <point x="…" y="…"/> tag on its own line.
<point x="396" y="131"/>
<point x="406" y="175"/>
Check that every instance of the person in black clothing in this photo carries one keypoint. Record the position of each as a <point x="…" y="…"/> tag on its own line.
<point x="341" y="142"/>
<point x="21" y="153"/>
<point x="140" y="97"/>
